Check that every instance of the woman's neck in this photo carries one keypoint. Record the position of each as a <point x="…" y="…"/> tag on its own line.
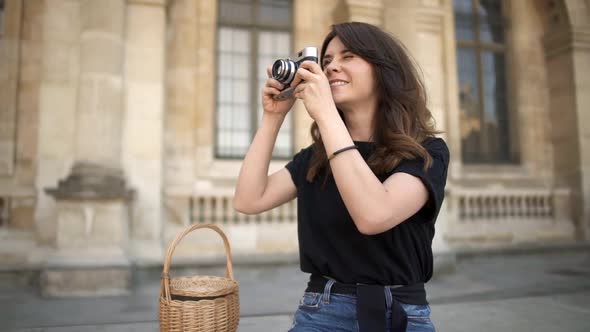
<point x="360" y="124"/>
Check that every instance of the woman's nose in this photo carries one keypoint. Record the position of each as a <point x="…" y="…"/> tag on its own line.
<point x="332" y="67"/>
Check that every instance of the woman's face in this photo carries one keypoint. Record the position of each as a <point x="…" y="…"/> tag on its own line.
<point x="351" y="77"/>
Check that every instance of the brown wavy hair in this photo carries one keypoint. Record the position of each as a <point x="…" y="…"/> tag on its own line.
<point x="403" y="120"/>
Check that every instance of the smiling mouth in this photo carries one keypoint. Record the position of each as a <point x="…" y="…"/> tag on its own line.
<point x="338" y="83"/>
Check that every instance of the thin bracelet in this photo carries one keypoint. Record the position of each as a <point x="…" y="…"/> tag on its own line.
<point x="342" y="150"/>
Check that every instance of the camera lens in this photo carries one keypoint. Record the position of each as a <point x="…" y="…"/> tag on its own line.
<point x="283" y="70"/>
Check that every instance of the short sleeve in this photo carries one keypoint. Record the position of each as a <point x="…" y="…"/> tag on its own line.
<point x="299" y="165"/>
<point x="434" y="178"/>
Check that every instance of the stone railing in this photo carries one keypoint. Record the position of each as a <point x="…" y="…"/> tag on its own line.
<point x="480" y="204"/>
<point x="476" y="204"/>
<point x="500" y="215"/>
<point x="217" y="208"/>
<point x="274" y="231"/>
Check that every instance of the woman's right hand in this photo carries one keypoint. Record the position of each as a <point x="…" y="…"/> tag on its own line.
<point x="271" y="89"/>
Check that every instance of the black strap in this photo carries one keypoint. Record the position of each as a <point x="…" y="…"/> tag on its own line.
<point x="399" y="317"/>
<point x="371" y="303"/>
<point x="370" y="308"/>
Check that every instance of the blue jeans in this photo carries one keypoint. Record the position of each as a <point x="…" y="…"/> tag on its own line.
<point x="326" y="312"/>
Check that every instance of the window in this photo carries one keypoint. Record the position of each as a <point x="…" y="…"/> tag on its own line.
<point x="481" y="62"/>
<point x="251" y="35"/>
<point x="1" y="18"/>
<point x="4" y="211"/>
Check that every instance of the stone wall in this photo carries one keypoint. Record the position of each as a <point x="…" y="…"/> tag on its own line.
<point x="131" y="84"/>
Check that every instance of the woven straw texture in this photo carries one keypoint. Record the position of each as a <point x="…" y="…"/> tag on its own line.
<point x="199" y="303"/>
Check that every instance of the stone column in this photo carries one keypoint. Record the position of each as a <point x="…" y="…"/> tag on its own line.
<point x="425" y="28"/>
<point x="92" y="211"/>
<point x="527" y="86"/>
<point x="9" y="62"/>
<point x="181" y="94"/>
<point x="311" y="23"/>
<point x="205" y="83"/>
<point x="181" y="111"/>
<point x="57" y="107"/>
<point x="400" y="20"/>
<point x="100" y="97"/>
<point x="27" y="117"/>
<point x="143" y="122"/>
<point x="567" y="48"/>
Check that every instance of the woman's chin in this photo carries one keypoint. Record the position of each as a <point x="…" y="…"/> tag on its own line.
<point x="338" y="101"/>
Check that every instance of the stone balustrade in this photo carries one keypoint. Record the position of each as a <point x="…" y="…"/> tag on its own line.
<point x="477" y="204"/>
<point x="500" y="214"/>
<point x="216" y="208"/>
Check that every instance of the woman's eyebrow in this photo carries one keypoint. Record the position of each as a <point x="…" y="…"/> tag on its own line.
<point x="329" y="56"/>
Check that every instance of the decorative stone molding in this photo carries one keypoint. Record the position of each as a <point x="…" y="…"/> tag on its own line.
<point x="560" y="41"/>
<point x="430" y="21"/>
<point x="92" y="208"/>
<point x="369" y="11"/>
<point x="92" y="181"/>
<point x="149" y="2"/>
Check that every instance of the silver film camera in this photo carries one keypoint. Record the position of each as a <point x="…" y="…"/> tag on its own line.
<point x="283" y="70"/>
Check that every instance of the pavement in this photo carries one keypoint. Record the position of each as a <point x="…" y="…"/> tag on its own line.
<point x="540" y="291"/>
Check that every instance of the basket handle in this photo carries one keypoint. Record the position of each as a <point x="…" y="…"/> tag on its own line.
<point x="229" y="273"/>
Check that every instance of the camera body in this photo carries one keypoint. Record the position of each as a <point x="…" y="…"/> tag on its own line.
<point x="283" y="70"/>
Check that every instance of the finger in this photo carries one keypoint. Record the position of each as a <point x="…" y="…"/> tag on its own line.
<point x="311" y="66"/>
<point x="274" y="83"/>
<point x="299" y="89"/>
<point x="296" y="80"/>
<point x="301" y="75"/>
<point x="269" y="71"/>
<point x="270" y="91"/>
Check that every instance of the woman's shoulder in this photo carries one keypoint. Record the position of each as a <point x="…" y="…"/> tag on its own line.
<point x="308" y="150"/>
<point x="304" y="153"/>
<point x="436" y="147"/>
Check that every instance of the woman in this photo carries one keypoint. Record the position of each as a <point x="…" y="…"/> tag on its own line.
<point x="369" y="188"/>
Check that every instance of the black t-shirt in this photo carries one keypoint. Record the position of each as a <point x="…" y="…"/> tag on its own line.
<point x="330" y="244"/>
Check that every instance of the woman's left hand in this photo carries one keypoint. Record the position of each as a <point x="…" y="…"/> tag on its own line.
<point x="312" y="86"/>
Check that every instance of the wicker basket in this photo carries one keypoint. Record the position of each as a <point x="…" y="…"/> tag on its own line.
<point x="199" y="303"/>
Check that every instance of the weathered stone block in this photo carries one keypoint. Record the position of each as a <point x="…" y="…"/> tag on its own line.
<point x="66" y="282"/>
<point x="84" y="223"/>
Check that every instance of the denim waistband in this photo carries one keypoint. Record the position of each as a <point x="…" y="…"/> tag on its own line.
<point x="372" y="302"/>
<point x="411" y="294"/>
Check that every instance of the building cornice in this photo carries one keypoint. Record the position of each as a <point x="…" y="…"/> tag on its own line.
<point x="566" y="40"/>
<point x="159" y="3"/>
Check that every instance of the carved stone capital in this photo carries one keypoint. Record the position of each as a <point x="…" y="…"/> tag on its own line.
<point x="92" y="181"/>
<point x="161" y="3"/>
<point x="369" y="11"/>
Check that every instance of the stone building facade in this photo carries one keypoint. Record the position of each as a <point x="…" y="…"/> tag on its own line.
<point x="158" y="99"/>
